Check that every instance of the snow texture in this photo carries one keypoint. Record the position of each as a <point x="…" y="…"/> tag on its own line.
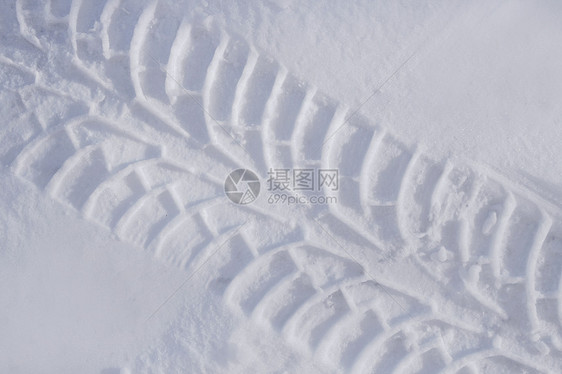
<point x="121" y="253"/>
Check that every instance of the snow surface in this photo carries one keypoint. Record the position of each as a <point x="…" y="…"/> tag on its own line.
<point x="121" y="120"/>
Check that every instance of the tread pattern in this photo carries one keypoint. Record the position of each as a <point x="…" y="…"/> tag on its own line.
<point x="145" y="154"/>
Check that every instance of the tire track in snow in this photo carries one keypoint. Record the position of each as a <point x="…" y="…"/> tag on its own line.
<point x="457" y="222"/>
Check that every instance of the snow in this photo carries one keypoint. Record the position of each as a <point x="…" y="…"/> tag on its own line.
<point x="73" y="298"/>
<point x="439" y="250"/>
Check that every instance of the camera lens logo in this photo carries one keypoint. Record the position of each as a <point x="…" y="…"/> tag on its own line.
<point x="242" y="186"/>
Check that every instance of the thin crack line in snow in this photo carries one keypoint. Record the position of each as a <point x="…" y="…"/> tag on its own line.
<point x="379" y="88"/>
<point x="480" y="20"/>
<point x="194" y="272"/>
<point x="198" y="103"/>
<point x="366" y="271"/>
